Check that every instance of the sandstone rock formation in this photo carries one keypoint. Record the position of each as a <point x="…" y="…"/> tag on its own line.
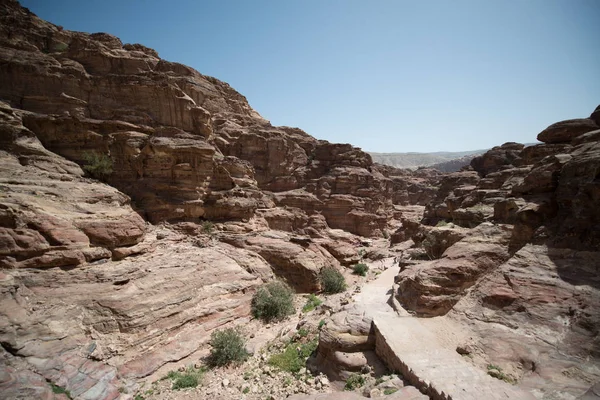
<point x="93" y="293"/>
<point x="524" y="278"/>
<point x="104" y="283"/>
<point x="183" y="145"/>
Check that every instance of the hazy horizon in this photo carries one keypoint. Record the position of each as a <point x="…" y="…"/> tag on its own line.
<point x="387" y="76"/>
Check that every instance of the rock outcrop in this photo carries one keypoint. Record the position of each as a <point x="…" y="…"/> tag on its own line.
<point x="199" y="200"/>
<point x="524" y="277"/>
<point x="183" y="145"/>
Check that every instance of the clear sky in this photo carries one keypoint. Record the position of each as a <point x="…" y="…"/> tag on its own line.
<point x="384" y="75"/>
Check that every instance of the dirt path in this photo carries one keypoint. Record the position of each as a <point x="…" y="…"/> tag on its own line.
<point x="423" y="354"/>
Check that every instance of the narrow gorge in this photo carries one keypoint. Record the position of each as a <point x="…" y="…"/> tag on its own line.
<point x="108" y="281"/>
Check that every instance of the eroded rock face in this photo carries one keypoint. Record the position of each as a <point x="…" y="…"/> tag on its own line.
<point x="412" y="187"/>
<point x="128" y="317"/>
<point x="93" y="297"/>
<point x="184" y="146"/>
<point x="537" y="318"/>
<point x="525" y="276"/>
<point x="298" y="262"/>
<point x="433" y="287"/>
<point x="50" y="215"/>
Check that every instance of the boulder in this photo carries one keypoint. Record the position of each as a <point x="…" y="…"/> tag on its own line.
<point x="566" y="131"/>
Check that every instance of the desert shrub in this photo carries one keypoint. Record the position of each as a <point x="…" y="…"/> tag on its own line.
<point x="61" y="47"/>
<point x="228" y="347"/>
<point x="97" y="165"/>
<point x="273" y="301"/>
<point x="332" y="280"/>
<point x="190" y="378"/>
<point x="312" y="302"/>
<point x="208" y="227"/>
<point x="60" y="390"/>
<point x="388" y="391"/>
<point x="185" y="381"/>
<point x="294" y="357"/>
<point x="360" y="269"/>
<point x="354" y="381"/>
<point x="303" y="332"/>
<point x="496" y="372"/>
<point x="322" y="324"/>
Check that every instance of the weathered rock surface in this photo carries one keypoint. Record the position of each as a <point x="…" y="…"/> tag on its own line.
<point x="93" y="297"/>
<point x="183" y="145"/>
<point x="50" y="215"/>
<point x="347" y="343"/>
<point x="412" y="187"/>
<point x="116" y="321"/>
<point x="566" y="131"/>
<point x="525" y="276"/>
<point x="433" y="287"/>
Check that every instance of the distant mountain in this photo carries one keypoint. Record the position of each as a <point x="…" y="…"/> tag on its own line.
<point x="415" y="160"/>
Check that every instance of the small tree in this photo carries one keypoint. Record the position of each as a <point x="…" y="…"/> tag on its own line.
<point x="332" y="280"/>
<point x="228" y="347"/>
<point x="273" y="301"/>
<point x="98" y="166"/>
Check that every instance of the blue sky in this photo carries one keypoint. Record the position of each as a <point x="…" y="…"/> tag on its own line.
<point x="384" y="75"/>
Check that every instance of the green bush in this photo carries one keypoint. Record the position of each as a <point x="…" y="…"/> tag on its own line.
<point x="354" y="381"/>
<point x="208" y="227"/>
<point x="294" y="357"/>
<point x="303" y="332"/>
<point x="181" y="380"/>
<point x="185" y="381"/>
<point x="60" y="47"/>
<point x="98" y="166"/>
<point x="228" y="347"/>
<point x="332" y="280"/>
<point x="388" y="391"/>
<point x="312" y="302"/>
<point x="360" y="269"/>
<point x="60" y="390"/>
<point x="273" y="301"/>
<point x="496" y="372"/>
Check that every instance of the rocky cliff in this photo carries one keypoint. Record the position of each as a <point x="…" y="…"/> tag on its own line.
<point x="514" y="253"/>
<point x="183" y="146"/>
<point x="93" y="293"/>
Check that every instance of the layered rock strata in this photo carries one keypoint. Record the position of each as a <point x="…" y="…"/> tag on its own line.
<point x="183" y="145"/>
<point x="524" y="273"/>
